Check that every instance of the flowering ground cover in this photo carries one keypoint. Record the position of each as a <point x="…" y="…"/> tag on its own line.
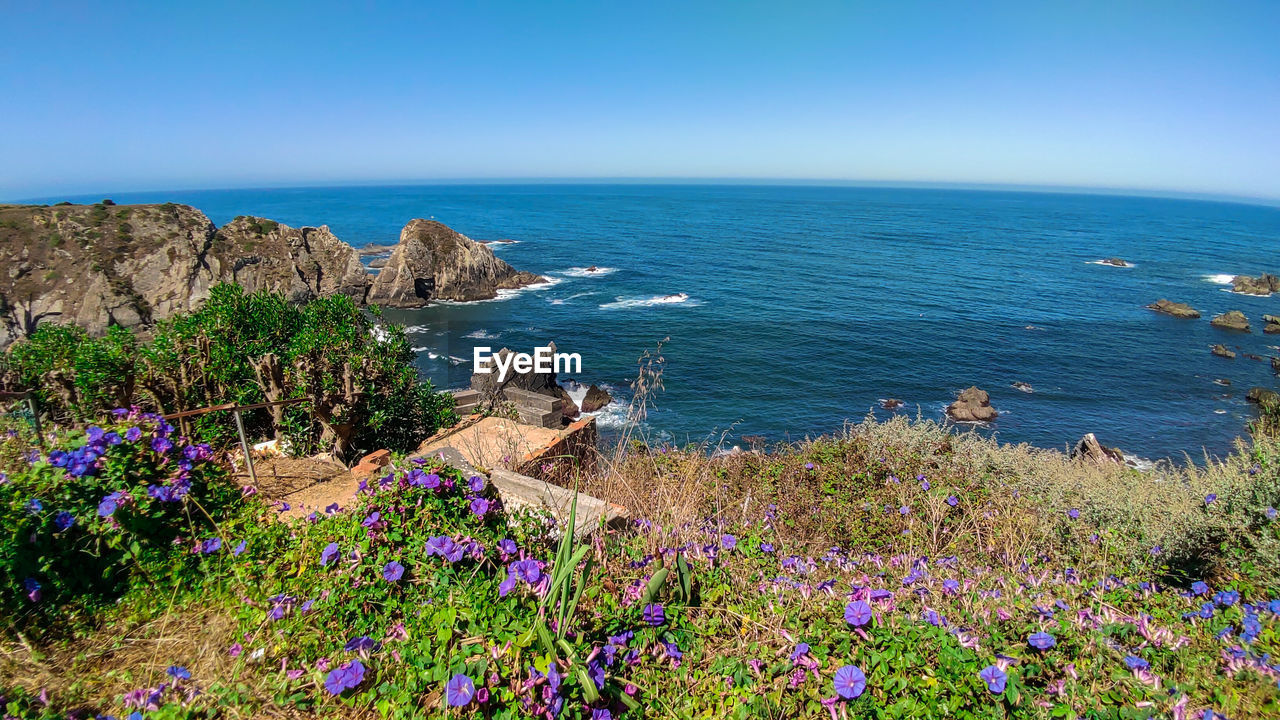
<point x="895" y="571"/>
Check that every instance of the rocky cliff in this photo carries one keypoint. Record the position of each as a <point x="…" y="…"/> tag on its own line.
<point x="433" y="262"/>
<point x="131" y="265"/>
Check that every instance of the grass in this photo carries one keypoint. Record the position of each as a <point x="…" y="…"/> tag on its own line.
<point x="961" y="549"/>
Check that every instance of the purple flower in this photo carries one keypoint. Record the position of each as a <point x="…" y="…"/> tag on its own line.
<point x="995" y="678"/>
<point x="849" y="682"/>
<point x="1073" y="513"/>
<point x="479" y="507"/>
<point x="924" y="485"/>
<point x="950" y="586"/>
<point x="178" y="673"/>
<point x="133" y="434"/>
<point x="344" y="677"/>
<point x="239" y="549"/>
<point x="162" y="445"/>
<point x="392" y="571"/>
<point x="904" y="510"/>
<point x="63" y="521"/>
<point x="1208" y="499"/>
<point x="329" y="553"/>
<point x="802" y="649"/>
<point x="459" y="691"/>
<point x="476" y="484"/>
<point x="507" y="546"/>
<point x="1199" y="587"/>
<point x="1271" y="513"/>
<point x="360" y="644"/>
<point x="34" y="506"/>
<point x="654" y="614"/>
<point x="32" y="586"/>
<point x="808" y="466"/>
<point x="729" y="542"/>
<point x="211" y="545"/>
<point x="1041" y="640"/>
<point x="857" y="613"/>
<point x="953" y="500"/>
<point x="1136" y="663"/>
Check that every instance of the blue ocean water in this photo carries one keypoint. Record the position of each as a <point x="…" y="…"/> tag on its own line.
<point x="807" y="305"/>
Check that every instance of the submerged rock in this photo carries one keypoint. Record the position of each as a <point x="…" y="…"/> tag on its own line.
<point x="1222" y="351"/>
<point x="891" y="404"/>
<point x="434" y="262"/>
<point x="1024" y="387"/>
<point x="1116" y="262"/>
<point x="1178" y="310"/>
<point x="972" y="405"/>
<point x="1264" y="284"/>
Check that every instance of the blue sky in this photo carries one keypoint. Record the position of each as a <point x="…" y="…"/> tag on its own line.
<point x="1181" y="96"/>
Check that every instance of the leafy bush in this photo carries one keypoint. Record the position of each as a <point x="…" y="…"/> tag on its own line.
<point x="361" y="388"/>
<point x="103" y="509"/>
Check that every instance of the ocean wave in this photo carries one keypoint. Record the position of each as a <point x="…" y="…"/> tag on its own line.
<point x="483" y="334"/>
<point x="673" y="299"/>
<point x="563" y="300"/>
<point x="501" y="242"/>
<point x="587" y="271"/>
<point x="1219" y="279"/>
<point x="417" y="330"/>
<point x="420" y="349"/>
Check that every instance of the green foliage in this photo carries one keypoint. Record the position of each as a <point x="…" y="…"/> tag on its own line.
<point x="361" y="388"/>
<point x="101" y="510"/>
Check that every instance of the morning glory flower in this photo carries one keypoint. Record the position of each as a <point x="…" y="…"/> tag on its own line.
<point x="133" y="435"/>
<point x="808" y="466"/>
<point x="654" y="615"/>
<point x="1208" y="499"/>
<point x="479" y="507"/>
<point x="953" y="501"/>
<point x="212" y="545"/>
<point x="344" y="677"/>
<point x="995" y="678"/>
<point x="1073" y="513"/>
<point x="1227" y="598"/>
<point x="34" y="506"/>
<point x="1271" y="513"/>
<point x="849" y="682"/>
<point x="328" y="554"/>
<point x="161" y="445"/>
<point x="766" y="547"/>
<point x="857" y="613"/>
<point x="729" y="542"/>
<point x="392" y="571"/>
<point x="239" y="549"/>
<point x="1041" y="640"/>
<point x="924" y="485"/>
<point x="178" y="673"/>
<point x="476" y="484"/>
<point x="63" y="521"/>
<point x="904" y="510"/>
<point x="1136" y="663"/>
<point x="459" y="691"/>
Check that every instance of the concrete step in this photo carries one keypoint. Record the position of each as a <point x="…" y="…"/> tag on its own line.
<point x="546" y="419"/>
<point x="465" y="396"/>
<point x="531" y="400"/>
<point x="467" y="409"/>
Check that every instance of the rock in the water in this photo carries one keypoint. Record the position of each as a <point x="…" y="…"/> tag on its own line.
<point x="1264" y="284"/>
<point x="1222" y="351"/>
<point x="1231" y="320"/>
<point x="1272" y="326"/>
<point x="1224" y="382"/>
<point x="1117" y="262"/>
<point x="567" y="406"/>
<point x="491" y="390"/>
<point x="433" y="262"/>
<point x="595" y="399"/>
<point x="891" y="404"/>
<point x="378" y="263"/>
<point x="972" y="405"/>
<point x="1275" y="365"/>
<point x="1263" y="397"/>
<point x="1178" y="310"/>
<point x="1024" y="387"/>
<point x="1091" y="450"/>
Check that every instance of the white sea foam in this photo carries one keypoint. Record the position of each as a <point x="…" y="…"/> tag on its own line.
<point x="503" y="241"/>
<point x="455" y="360"/>
<point x="483" y="334"/>
<point x="587" y="272"/>
<point x="417" y="330"/>
<point x="563" y="300"/>
<point x="1220" y="279"/>
<point x="621" y="302"/>
<point x="420" y="349"/>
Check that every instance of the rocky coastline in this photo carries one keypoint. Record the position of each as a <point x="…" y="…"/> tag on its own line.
<point x="131" y="265"/>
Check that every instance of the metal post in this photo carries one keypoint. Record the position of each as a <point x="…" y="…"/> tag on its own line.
<point x="35" y="420"/>
<point x="244" y="445"/>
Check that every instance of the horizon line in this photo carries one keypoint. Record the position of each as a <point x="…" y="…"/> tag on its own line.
<point x="1030" y="188"/>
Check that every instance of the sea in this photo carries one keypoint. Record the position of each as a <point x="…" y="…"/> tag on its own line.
<point x="787" y="311"/>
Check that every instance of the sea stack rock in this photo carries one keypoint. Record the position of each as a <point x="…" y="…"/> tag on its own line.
<point x="1264" y="284"/>
<point x="595" y="399"/>
<point x="1231" y="320"/>
<point x="972" y="405"/>
<point x="433" y="262"/>
<point x="302" y="263"/>
<point x="1089" y="449"/>
<point x="1178" y="310"/>
<point x="1222" y="352"/>
<point x="1272" y="326"/>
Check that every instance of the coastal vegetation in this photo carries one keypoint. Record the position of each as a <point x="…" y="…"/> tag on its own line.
<point x="895" y="569"/>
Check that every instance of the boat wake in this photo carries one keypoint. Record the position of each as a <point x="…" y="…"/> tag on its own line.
<point x="674" y="299"/>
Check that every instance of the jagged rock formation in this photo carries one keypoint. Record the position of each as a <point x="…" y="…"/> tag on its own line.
<point x="303" y="263"/>
<point x="1178" y="310"/>
<point x="131" y="265"/>
<point x="595" y="399"/>
<point x="1231" y="320"/>
<point x="1264" y="284"/>
<point x="1222" y="352"/>
<point x="1272" y="326"/>
<point x="972" y="405"/>
<point x="433" y="262"/>
<point x="1093" y="451"/>
<point x="1263" y="397"/>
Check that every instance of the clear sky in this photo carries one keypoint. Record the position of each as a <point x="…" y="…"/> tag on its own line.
<point x="1164" y="95"/>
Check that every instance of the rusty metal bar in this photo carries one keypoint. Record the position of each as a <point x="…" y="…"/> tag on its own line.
<point x="244" y="445"/>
